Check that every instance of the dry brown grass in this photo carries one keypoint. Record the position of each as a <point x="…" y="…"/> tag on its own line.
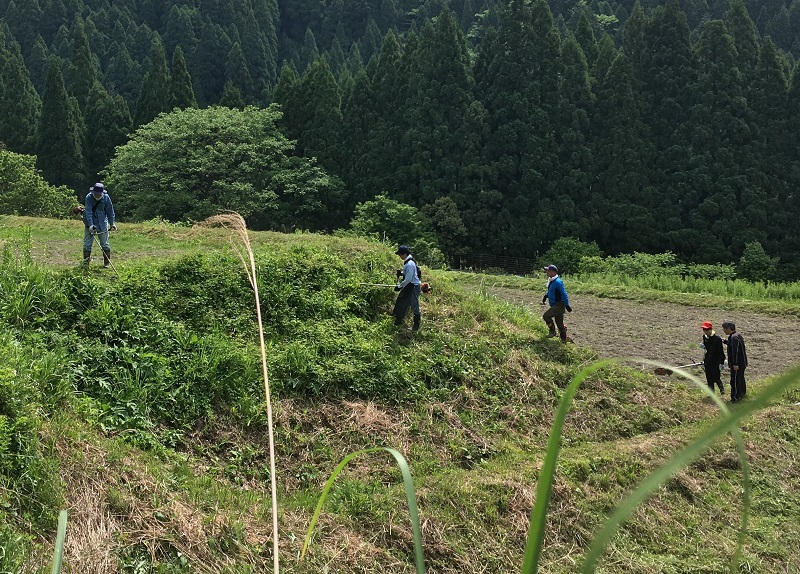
<point x="116" y="505"/>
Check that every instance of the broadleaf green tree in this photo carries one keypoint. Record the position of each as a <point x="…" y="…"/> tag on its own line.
<point x="189" y="164"/>
<point x="390" y="220"/>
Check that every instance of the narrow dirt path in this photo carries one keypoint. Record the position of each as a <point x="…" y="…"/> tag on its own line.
<point x="668" y="332"/>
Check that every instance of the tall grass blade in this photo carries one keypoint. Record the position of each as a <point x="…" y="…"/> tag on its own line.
<point x="408" y="483"/>
<point x="728" y="423"/>
<point x="235" y="222"/>
<point x="544" y="485"/>
<point x="60" y="537"/>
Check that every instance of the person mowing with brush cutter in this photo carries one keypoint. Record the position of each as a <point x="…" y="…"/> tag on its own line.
<point x="409" y="288"/>
<point x="559" y="302"/>
<point x="98" y="219"/>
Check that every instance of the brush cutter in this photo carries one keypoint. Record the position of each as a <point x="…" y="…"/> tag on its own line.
<point x="424" y="287"/>
<point x="94" y="235"/>
<point x="664" y="371"/>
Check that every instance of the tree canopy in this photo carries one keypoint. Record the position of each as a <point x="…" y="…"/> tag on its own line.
<point x="191" y="163"/>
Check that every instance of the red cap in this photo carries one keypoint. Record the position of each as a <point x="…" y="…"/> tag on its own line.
<point x="706" y="325"/>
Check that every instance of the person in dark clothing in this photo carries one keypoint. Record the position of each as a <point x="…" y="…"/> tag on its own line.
<point x="409" y="288"/>
<point x="559" y="302"/>
<point x="737" y="361"/>
<point x="714" y="359"/>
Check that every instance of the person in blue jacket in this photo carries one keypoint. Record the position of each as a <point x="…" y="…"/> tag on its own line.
<point x="559" y="302"/>
<point x="98" y="219"/>
<point x="409" y="287"/>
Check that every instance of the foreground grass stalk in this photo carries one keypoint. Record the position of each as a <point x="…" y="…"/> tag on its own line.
<point x="408" y="483"/>
<point x="544" y="485"/>
<point x="60" y="537"/>
<point x="235" y="222"/>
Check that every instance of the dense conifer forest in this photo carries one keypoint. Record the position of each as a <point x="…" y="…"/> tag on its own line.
<point x="647" y="126"/>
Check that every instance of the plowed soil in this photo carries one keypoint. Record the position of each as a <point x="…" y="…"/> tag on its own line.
<point x="669" y="332"/>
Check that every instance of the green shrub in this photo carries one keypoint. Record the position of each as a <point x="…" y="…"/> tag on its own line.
<point x="566" y="253"/>
<point x="30" y="297"/>
<point x="389" y="220"/>
<point x="756" y="265"/>
<point x="645" y="264"/>
<point x="719" y="271"/>
<point x="25" y="192"/>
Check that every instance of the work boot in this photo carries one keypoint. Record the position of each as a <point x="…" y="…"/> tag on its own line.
<point x="415" y="327"/>
<point x="563" y="334"/>
<point x="87" y="257"/>
<point x="552" y="332"/>
<point x="106" y="257"/>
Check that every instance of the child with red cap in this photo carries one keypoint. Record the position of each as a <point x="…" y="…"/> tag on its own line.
<point x="714" y="359"/>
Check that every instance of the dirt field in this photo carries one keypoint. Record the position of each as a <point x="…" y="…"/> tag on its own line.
<point x="668" y="332"/>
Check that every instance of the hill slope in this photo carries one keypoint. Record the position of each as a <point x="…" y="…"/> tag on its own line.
<point x="136" y="403"/>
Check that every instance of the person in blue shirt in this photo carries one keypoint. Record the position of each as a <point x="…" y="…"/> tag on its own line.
<point x="98" y="219"/>
<point x="559" y="302"/>
<point x="409" y="288"/>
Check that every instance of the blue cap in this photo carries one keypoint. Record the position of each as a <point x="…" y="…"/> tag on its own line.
<point x="552" y="268"/>
<point x="98" y="188"/>
<point x="402" y="250"/>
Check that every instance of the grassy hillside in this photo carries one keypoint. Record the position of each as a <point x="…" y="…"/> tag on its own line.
<point x="134" y="400"/>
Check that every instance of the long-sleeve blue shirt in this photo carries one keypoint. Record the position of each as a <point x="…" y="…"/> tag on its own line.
<point x="556" y="292"/>
<point x="410" y="274"/>
<point x="98" y="211"/>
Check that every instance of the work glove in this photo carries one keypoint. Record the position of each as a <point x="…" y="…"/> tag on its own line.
<point x="544" y="299"/>
<point x="113" y="227"/>
<point x="568" y="308"/>
<point x="92" y="229"/>
<point x="397" y="287"/>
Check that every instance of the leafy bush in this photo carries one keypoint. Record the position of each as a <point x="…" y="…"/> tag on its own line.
<point x="644" y="264"/>
<point x="593" y="264"/>
<point x="756" y="265"/>
<point x="389" y="220"/>
<point x="567" y="254"/>
<point x="23" y="191"/>
<point x="711" y="271"/>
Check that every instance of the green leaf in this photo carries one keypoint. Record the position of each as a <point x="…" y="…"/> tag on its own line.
<point x="408" y="483"/>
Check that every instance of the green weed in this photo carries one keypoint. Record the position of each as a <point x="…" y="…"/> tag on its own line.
<point x="13" y="549"/>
